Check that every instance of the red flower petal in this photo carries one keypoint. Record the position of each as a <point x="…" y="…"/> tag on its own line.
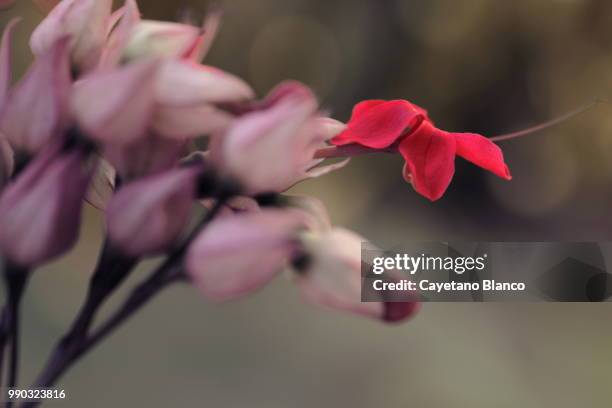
<point x="430" y="160"/>
<point x="362" y="107"/>
<point x="482" y="152"/>
<point x="377" y="124"/>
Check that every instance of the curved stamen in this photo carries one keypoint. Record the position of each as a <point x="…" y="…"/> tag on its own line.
<point x="549" y="124"/>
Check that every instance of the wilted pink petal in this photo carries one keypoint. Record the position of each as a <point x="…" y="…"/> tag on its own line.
<point x="187" y="122"/>
<point x="184" y="83"/>
<point x="5" y="59"/>
<point x="147" y="216"/>
<point x="84" y="21"/>
<point x="6" y="162"/>
<point x="238" y="254"/>
<point x="128" y="18"/>
<point x="160" y="39"/>
<point x="149" y="155"/>
<point x="40" y="211"/>
<point x="36" y="109"/>
<point x="116" y="106"/>
<point x="102" y="185"/>
<point x="270" y="150"/>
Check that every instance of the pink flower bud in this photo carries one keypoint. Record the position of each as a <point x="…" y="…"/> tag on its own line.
<point x="147" y="216"/>
<point x="271" y="149"/>
<point x="332" y="277"/>
<point x="84" y="21"/>
<point x="40" y="211"/>
<point x="238" y="254"/>
<point x="36" y="109"/>
<point x="116" y="106"/>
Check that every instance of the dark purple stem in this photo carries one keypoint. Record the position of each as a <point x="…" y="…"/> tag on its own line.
<point x="15" y="278"/>
<point x="170" y="271"/>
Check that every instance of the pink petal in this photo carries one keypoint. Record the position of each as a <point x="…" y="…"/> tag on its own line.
<point x="482" y="152"/>
<point x="84" y="21"/>
<point x="378" y="125"/>
<point x="36" y="109"/>
<point x="237" y="255"/>
<point x="123" y="115"/>
<point x="430" y="160"/>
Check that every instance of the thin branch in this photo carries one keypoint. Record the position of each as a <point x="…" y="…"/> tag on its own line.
<point x="170" y="271"/>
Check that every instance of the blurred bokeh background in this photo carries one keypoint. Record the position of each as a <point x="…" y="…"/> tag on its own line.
<point x="486" y="66"/>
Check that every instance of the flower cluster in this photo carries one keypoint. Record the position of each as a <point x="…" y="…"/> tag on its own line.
<point x="109" y="113"/>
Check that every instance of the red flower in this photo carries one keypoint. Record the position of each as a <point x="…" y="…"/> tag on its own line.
<point x="429" y="152"/>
